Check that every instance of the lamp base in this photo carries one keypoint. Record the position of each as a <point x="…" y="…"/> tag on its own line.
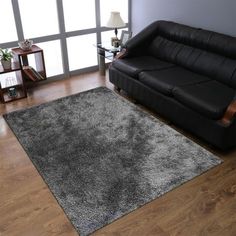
<point x="114" y="41"/>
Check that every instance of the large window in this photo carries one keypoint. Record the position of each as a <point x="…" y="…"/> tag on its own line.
<point x="81" y="51"/>
<point x="52" y="57"/>
<point x="66" y="30"/>
<point x="106" y="35"/>
<point x="7" y="24"/>
<point x="79" y="14"/>
<point x="112" y="5"/>
<point x="39" y="18"/>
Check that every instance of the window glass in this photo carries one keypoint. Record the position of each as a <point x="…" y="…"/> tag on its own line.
<point x="52" y="57"/>
<point x="107" y="35"/>
<point x="107" y="6"/>
<point x="39" y="18"/>
<point x="7" y="23"/>
<point x="79" y="14"/>
<point x="81" y="51"/>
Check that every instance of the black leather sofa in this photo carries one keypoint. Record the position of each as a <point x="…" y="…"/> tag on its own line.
<point x="186" y="74"/>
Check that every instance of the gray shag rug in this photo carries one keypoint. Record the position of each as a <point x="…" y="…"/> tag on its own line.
<point x="103" y="157"/>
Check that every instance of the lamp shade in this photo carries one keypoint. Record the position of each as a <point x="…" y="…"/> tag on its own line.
<point x="115" y="20"/>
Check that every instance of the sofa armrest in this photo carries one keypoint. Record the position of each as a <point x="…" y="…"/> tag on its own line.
<point x="230" y="113"/>
<point x="138" y="44"/>
<point x="121" y="54"/>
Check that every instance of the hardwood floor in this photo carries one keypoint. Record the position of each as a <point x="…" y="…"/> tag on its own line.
<point x="203" y="206"/>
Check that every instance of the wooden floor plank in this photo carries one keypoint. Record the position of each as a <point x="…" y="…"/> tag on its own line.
<point x="205" y="205"/>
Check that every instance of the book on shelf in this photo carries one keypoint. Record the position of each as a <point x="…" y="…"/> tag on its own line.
<point x="10" y="81"/>
<point x="32" y="74"/>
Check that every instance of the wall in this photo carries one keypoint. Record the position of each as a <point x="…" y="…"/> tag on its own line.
<point x="216" y="15"/>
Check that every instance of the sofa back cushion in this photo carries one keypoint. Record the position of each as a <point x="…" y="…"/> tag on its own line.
<point x="198" y="38"/>
<point x="201" y="51"/>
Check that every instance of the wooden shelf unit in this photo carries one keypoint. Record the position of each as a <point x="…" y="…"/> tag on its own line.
<point x="30" y="73"/>
<point x="23" y="73"/>
<point x="12" y="81"/>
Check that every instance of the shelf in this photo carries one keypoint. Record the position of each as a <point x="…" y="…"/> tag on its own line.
<point x="107" y="47"/>
<point x="14" y="67"/>
<point x="20" y="94"/>
<point x="12" y="78"/>
<point x="20" y="52"/>
<point x="36" y="73"/>
<point x="9" y="82"/>
<point x="21" y="72"/>
<point x="32" y="74"/>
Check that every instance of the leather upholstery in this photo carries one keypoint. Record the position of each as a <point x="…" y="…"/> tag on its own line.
<point x="212" y="131"/>
<point x="187" y="74"/>
<point x="134" y="65"/>
<point x="204" y="62"/>
<point x="198" y="38"/>
<point x="165" y="81"/>
<point x="209" y="98"/>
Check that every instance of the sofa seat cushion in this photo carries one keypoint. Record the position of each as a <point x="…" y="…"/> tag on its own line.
<point x="210" y="98"/>
<point x="164" y="81"/>
<point x="134" y="65"/>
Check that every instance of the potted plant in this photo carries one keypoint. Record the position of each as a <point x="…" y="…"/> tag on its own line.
<point x="6" y="56"/>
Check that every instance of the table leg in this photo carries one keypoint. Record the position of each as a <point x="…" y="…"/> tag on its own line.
<point x="101" y="62"/>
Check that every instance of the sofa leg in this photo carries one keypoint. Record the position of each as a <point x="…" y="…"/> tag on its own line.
<point x="117" y="89"/>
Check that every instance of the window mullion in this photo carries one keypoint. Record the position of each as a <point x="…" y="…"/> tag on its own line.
<point x="129" y="15"/>
<point x="98" y="20"/>
<point x="17" y="17"/>
<point x="64" y="51"/>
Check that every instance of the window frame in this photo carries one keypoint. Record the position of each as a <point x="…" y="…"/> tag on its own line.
<point x="63" y="35"/>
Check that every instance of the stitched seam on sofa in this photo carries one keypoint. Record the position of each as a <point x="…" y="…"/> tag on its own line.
<point x="190" y="54"/>
<point x="166" y="68"/>
<point x="189" y="42"/>
<point x="217" y="51"/>
<point x="227" y="82"/>
<point x="176" y="45"/>
<point x="182" y="46"/>
<point x="165" y="41"/>
<point x="201" y="52"/>
<point x="173" y="53"/>
<point x="209" y="38"/>
<point x="196" y="83"/>
<point x="149" y="49"/>
<point x="231" y="78"/>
